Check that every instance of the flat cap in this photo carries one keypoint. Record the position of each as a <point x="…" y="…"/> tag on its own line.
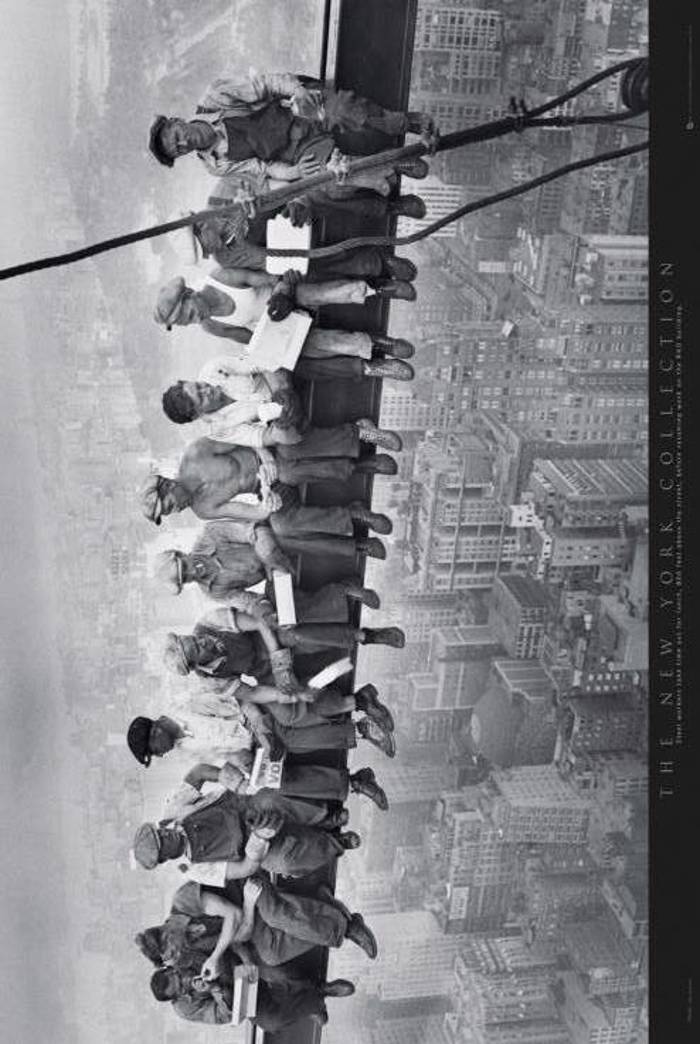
<point x="174" y="654"/>
<point x="147" y="846"/>
<point x="138" y="738"/>
<point x="169" y="301"/>
<point x="155" y="144"/>
<point x="151" y="501"/>
<point x="169" y="570"/>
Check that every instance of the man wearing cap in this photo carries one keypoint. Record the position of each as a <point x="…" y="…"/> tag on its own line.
<point x="212" y="474"/>
<point x="244" y="246"/>
<point x="211" y="725"/>
<point x="227" y="416"/>
<point x="277" y="127"/>
<point x="232" y="301"/>
<point x="227" y="643"/>
<point x="323" y="788"/>
<point x="210" y="930"/>
<point x="215" y="565"/>
<point x="229" y="830"/>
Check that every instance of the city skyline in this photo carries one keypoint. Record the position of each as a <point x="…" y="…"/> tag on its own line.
<point x="517" y="565"/>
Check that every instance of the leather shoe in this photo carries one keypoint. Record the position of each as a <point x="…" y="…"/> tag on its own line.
<point x="377" y="464"/>
<point x="337" y="988"/>
<point x="365" y="595"/>
<point x="399" y="268"/>
<point x="364" y="782"/>
<point x="415" y="168"/>
<point x="396" y="289"/>
<point x="372" y="547"/>
<point x="380" y="437"/>
<point x="371" y="519"/>
<point x="350" y="840"/>
<point x="395" y="347"/>
<point x="389" y="369"/>
<point x="383" y="741"/>
<point x="392" y="636"/>
<point x="367" y="700"/>
<point x="358" y="932"/>
<point x="408" y="206"/>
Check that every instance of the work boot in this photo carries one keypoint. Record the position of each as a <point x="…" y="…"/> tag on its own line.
<point x="367" y="700"/>
<point x="372" y="547"/>
<point x="395" y="347"/>
<point x="378" y="464"/>
<point x="408" y="206"/>
<point x="415" y="167"/>
<point x="384" y="741"/>
<point x="399" y="268"/>
<point x="337" y="819"/>
<point x="372" y="519"/>
<point x="369" y="432"/>
<point x="337" y="988"/>
<point x="350" y="840"/>
<point x="364" y="782"/>
<point x="388" y="369"/>
<point x="365" y="595"/>
<point x="358" y="932"/>
<point x="392" y="636"/>
<point x="395" y="289"/>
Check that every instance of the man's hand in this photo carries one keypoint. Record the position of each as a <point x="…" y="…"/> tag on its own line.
<point x="265" y="611"/>
<point x="279" y="306"/>
<point x="307" y="166"/>
<point x="252" y="890"/>
<point x="285" y="678"/>
<point x="271" y="501"/>
<point x="210" y="969"/>
<point x="265" y="822"/>
<point x="268" y="473"/>
<point x="273" y="746"/>
<point x="298" y="211"/>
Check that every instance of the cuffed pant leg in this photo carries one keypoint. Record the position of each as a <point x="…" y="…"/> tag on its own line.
<point x="320" y="342"/>
<point x="297" y="520"/>
<point x="313" y="637"/>
<point x="342" y="440"/>
<point x="301" y="850"/>
<point x="310" y="919"/>
<point x="329" y="368"/>
<point x="320" y="782"/>
<point x="327" y="605"/>
<point x="296" y="472"/>
<point x="331" y="735"/>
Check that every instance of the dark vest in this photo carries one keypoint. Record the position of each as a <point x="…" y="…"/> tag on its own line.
<point x="216" y="832"/>
<point x="244" y="653"/>
<point x="263" y="135"/>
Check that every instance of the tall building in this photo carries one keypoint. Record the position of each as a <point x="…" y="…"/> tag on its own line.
<point x="590" y="1020"/>
<point x="533" y="804"/>
<point x="403" y="410"/>
<point x="440" y="200"/>
<point x="460" y="537"/>
<point x="457" y="62"/>
<point x="612" y="268"/>
<point x="514" y="721"/>
<point x="590" y="493"/>
<point x="411" y="1029"/>
<point x="415" y="958"/>
<point x="518" y="614"/>
<point x="474" y="865"/>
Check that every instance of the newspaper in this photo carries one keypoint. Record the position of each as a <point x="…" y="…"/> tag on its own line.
<point x="277" y="344"/>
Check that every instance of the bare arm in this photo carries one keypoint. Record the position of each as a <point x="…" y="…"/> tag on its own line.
<point x="232" y="333"/>
<point x="236" y="871"/>
<point x="233" y="509"/>
<point x="201" y="774"/>
<point x="217" y="906"/>
<point x="242" y="277"/>
<point x="249" y="623"/>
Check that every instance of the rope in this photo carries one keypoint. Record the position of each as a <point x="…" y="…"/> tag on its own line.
<point x="271" y="201"/>
<point x="460" y="212"/>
